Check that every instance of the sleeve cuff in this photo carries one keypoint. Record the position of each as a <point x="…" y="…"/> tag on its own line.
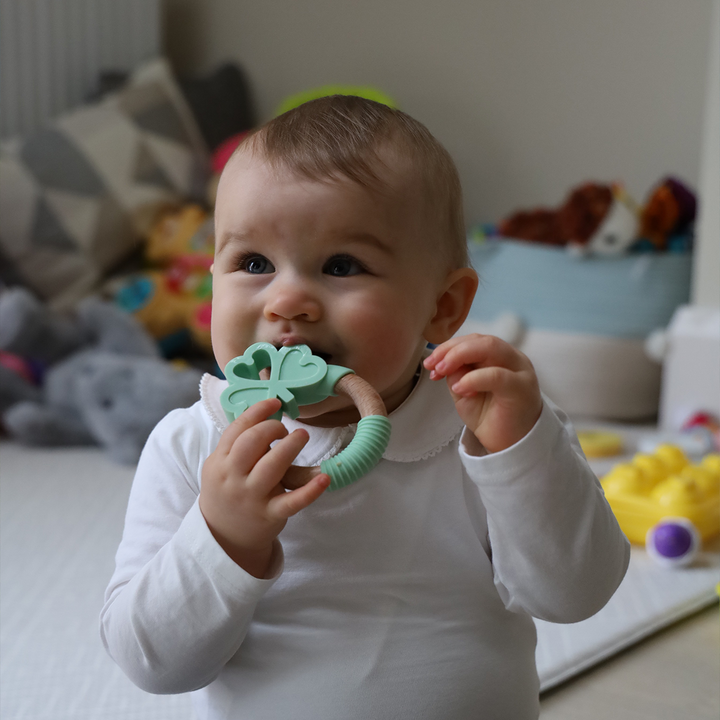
<point x="200" y="543"/>
<point x="517" y="460"/>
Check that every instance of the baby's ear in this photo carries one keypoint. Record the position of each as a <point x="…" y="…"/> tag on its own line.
<point x="453" y="305"/>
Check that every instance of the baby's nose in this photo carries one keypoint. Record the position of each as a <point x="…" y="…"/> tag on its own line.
<point x="293" y="299"/>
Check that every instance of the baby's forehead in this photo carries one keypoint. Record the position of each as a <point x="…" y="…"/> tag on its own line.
<point x="385" y="167"/>
<point x="395" y="188"/>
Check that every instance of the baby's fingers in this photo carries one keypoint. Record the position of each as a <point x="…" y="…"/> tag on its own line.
<point x="439" y="353"/>
<point x="479" y="351"/>
<point x="495" y="380"/>
<point x="272" y="466"/>
<point x="252" y="416"/>
<point x="292" y="502"/>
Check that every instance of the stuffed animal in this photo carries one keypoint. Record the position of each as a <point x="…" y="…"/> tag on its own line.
<point x="594" y="218"/>
<point x="104" y="382"/>
<point x="172" y="300"/>
<point x="670" y="210"/>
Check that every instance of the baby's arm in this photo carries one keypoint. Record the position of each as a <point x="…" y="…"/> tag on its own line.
<point x="557" y="550"/>
<point x="178" y="606"/>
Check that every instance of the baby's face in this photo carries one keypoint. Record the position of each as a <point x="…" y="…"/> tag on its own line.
<point x="326" y="264"/>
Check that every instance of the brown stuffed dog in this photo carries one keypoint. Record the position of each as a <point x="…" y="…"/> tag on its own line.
<point x="575" y="221"/>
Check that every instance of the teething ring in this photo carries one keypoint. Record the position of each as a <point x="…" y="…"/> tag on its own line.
<point x="297" y="377"/>
<point x="374" y="426"/>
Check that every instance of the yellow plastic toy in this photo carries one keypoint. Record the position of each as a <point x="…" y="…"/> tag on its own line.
<point x="664" y="484"/>
<point x="600" y="444"/>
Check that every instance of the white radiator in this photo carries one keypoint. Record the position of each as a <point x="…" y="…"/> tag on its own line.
<point x="52" y="52"/>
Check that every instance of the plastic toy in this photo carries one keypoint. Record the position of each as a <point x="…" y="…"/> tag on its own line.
<point x="369" y="93"/>
<point x="600" y="444"/>
<point x="297" y="377"/>
<point x="664" y="484"/>
<point x="706" y="424"/>
<point x="673" y="542"/>
<point x="699" y="434"/>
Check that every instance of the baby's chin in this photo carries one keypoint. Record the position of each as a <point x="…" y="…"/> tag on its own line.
<point x="336" y="411"/>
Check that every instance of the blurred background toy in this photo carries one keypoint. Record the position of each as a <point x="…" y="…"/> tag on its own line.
<point x="596" y="218"/>
<point x="172" y="299"/>
<point x="673" y="542"/>
<point x="668" y="213"/>
<point x="603" y="219"/>
<point x="600" y="444"/>
<point x="219" y="159"/>
<point x="363" y="91"/>
<point x="698" y="435"/>
<point x="665" y="484"/>
<point x="103" y="382"/>
<point x="19" y="380"/>
<point x="704" y="423"/>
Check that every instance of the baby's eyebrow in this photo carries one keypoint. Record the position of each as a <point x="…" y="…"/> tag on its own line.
<point x="227" y="238"/>
<point x="370" y="239"/>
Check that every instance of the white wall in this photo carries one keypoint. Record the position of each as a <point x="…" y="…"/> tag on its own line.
<point x="706" y="275"/>
<point x="530" y="96"/>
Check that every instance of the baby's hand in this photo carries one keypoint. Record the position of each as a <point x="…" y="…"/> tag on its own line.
<point x="494" y="387"/>
<point x="241" y="498"/>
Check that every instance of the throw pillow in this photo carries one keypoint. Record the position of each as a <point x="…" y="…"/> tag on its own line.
<point x="77" y="196"/>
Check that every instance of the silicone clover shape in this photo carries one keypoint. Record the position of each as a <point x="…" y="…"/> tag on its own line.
<point x="297" y="377"/>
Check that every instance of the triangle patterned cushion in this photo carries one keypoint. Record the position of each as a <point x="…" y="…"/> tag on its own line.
<point x="77" y="196"/>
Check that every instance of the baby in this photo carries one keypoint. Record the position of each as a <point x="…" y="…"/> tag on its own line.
<point x="410" y="593"/>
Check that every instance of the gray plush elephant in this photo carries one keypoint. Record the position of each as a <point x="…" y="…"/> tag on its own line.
<point x="105" y="383"/>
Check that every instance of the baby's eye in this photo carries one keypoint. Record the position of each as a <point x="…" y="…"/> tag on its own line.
<point x="342" y="266"/>
<point x="255" y="264"/>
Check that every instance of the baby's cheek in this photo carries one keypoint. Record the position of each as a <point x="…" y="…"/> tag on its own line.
<point x="390" y="354"/>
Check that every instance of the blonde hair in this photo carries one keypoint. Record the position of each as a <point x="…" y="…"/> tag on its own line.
<point x="346" y="135"/>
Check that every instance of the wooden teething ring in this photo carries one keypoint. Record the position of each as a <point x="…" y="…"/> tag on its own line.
<point x="296" y="377"/>
<point x="366" y="400"/>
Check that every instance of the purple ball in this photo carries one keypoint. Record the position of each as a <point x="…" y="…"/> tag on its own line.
<point x="672" y="540"/>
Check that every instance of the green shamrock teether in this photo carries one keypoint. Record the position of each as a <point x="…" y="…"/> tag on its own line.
<point x="297" y="377"/>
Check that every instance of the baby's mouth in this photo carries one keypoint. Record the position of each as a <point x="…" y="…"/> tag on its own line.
<point x="327" y="357"/>
<point x="322" y="355"/>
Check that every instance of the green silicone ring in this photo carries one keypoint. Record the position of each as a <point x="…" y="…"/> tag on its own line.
<point x="361" y="455"/>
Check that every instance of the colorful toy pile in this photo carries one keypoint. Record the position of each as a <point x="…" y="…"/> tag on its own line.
<point x="172" y="299"/>
<point x="661" y="485"/>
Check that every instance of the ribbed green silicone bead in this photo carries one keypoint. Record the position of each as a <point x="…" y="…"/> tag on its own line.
<point x="361" y="455"/>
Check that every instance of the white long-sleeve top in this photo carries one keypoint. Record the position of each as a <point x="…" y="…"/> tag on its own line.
<point x="408" y="594"/>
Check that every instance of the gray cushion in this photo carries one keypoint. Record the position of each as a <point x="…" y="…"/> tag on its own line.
<point x="77" y="196"/>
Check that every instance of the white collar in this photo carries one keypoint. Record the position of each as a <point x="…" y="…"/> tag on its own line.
<point x="424" y="424"/>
